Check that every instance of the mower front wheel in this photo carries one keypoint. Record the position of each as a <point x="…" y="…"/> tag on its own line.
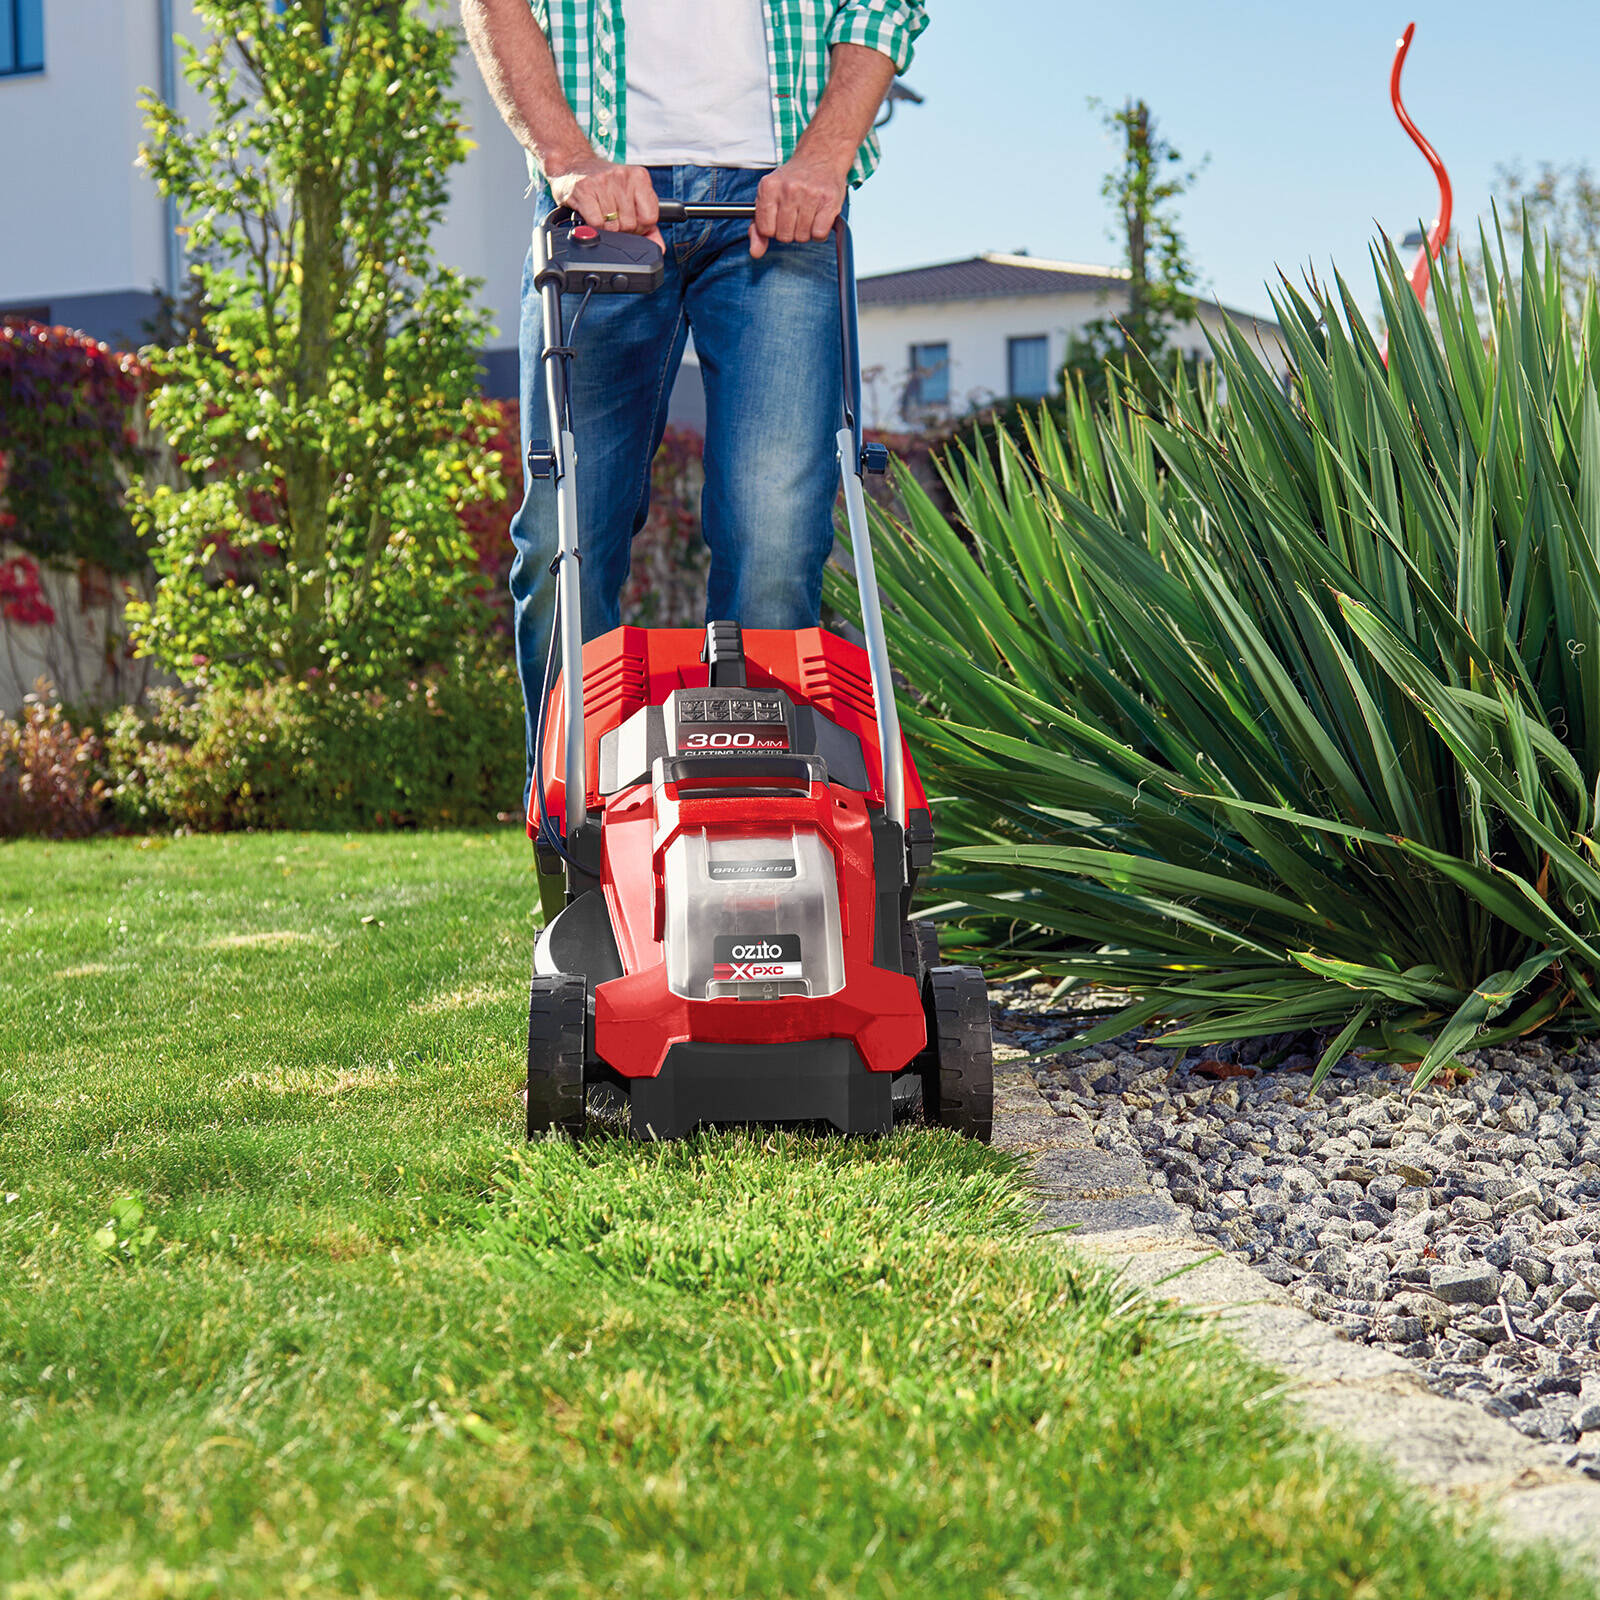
<point x="919" y="948"/>
<point x="958" y="1064"/>
<point x="556" y="1019"/>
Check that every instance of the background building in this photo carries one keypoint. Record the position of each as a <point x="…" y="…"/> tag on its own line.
<point x="938" y="341"/>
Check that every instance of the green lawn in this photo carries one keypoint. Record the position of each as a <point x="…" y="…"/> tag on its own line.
<point x="286" y="1309"/>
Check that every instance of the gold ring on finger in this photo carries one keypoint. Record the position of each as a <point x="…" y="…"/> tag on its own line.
<point x="610" y="216"/>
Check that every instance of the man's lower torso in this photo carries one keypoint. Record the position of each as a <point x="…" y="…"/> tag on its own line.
<point x="766" y="339"/>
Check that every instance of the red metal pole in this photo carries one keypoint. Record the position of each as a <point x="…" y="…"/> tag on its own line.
<point x="1440" y="231"/>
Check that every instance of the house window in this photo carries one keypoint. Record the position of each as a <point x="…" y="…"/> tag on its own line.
<point x="1028" y="367"/>
<point x="21" y="37"/>
<point x="929" y="384"/>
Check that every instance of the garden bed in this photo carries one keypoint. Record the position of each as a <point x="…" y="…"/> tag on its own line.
<point x="1457" y="1227"/>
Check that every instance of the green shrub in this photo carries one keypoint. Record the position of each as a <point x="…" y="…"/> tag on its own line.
<point x="1284" y="713"/>
<point x="446" y="748"/>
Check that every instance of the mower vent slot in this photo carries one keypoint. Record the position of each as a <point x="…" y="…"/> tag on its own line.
<point x="783" y="989"/>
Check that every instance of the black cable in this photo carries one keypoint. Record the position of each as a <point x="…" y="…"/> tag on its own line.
<point x="547" y="834"/>
<point x="577" y="316"/>
<point x="568" y="350"/>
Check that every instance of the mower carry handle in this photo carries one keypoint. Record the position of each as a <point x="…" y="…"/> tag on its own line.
<point x="780" y="769"/>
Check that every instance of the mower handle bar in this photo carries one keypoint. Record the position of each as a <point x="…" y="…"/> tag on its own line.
<point x="715" y="211"/>
<point x="702" y="211"/>
<point x="849" y="450"/>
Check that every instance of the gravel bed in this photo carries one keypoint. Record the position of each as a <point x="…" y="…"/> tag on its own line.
<point x="1459" y="1228"/>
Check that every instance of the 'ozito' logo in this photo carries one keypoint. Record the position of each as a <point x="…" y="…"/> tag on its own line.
<point x="757" y="952"/>
<point x="740" y="959"/>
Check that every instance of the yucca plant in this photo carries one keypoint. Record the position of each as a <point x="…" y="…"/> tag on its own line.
<point x="1279" y="706"/>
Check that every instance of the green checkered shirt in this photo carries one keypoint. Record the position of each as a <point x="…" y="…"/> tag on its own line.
<point x="586" y="38"/>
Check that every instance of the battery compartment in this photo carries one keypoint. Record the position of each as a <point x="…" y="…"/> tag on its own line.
<point x="752" y="916"/>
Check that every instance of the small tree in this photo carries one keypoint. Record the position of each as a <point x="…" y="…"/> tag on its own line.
<point x="1559" y="206"/>
<point x="1142" y="188"/>
<point x="325" y="404"/>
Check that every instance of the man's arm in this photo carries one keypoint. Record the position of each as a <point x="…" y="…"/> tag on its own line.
<point x="514" y="57"/>
<point x="800" y="199"/>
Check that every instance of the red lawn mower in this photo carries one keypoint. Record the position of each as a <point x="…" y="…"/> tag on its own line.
<point x="743" y="833"/>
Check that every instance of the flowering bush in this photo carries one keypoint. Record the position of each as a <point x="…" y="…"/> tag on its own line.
<point x="69" y="427"/>
<point x="22" y="598"/>
<point x="50" y="772"/>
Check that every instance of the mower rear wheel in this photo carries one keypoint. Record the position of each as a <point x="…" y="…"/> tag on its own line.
<point x="556" y="1016"/>
<point x="958" y="1064"/>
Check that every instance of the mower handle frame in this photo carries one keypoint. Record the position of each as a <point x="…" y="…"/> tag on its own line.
<point x="559" y="461"/>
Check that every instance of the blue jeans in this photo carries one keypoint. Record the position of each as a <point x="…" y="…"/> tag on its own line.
<point x="767" y="336"/>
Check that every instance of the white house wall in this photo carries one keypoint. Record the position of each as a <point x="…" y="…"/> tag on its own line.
<point x="88" y="225"/>
<point x="94" y="247"/>
<point x="489" y="221"/>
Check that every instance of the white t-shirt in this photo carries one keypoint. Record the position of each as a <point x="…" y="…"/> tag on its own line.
<point x="699" y="90"/>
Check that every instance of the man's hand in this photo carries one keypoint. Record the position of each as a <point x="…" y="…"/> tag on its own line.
<point x="798" y="201"/>
<point x="801" y="199"/>
<point x="607" y="195"/>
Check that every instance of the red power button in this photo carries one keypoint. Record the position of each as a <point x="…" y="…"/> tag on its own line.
<point x="584" y="234"/>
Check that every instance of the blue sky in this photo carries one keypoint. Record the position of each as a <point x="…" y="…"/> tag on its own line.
<point x="1289" y="99"/>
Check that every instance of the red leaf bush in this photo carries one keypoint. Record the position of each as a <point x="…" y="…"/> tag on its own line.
<point x="69" y="413"/>
<point x="51" y="780"/>
<point x="22" y="597"/>
<point x="666" y="587"/>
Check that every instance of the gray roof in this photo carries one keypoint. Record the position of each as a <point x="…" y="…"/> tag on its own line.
<point x="986" y="277"/>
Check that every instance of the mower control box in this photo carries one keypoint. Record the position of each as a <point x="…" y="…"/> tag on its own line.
<point x="583" y="259"/>
<point x="726" y="721"/>
<point x="729" y="720"/>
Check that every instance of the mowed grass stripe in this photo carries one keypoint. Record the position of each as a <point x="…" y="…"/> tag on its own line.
<point x="344" y="1336"/>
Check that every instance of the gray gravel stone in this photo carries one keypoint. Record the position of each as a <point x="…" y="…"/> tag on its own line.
<point x="1533" y="1270"/>
<point x="1475" y="1285"/>
<point x="1457" y="1227"/>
